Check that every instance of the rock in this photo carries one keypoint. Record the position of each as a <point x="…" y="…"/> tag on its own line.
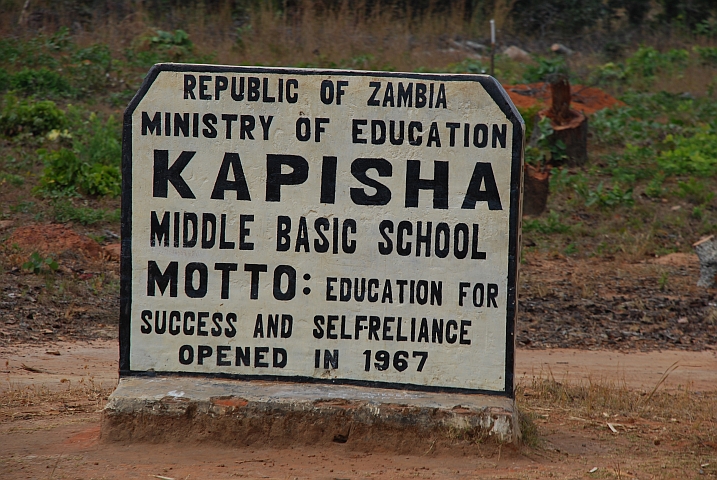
<point x="561" y="49"/>
<point x="517" y="54"/>
<point x="706" y="250"/>
<point x="469" y="45"/>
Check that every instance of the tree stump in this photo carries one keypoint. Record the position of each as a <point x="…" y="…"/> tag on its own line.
<point x="536" y="186"/>
<point x="706" y="250"/>
<point x="569" y="126"/>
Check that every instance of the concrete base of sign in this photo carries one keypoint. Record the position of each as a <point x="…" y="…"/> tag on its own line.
<point x="242" y="413"/>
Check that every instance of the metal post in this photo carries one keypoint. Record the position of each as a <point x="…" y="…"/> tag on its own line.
<point x="492" y="47"/>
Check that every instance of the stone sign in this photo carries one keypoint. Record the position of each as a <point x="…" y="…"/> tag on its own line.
<point x="321" y="226"/>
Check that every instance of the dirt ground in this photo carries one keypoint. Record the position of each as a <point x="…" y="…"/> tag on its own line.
<point x="617" y="371"/>
<point x="51" y="396"/>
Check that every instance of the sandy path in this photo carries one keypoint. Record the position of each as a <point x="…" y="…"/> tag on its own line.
<point x="45" y="441"/>
<point x="98" y="360"/>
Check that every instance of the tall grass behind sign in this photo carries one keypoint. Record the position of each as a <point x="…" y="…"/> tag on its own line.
<point x="321" y="225"/>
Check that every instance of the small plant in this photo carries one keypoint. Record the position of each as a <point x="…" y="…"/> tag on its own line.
<point x="12" y="179"/>
<point x="41" y="82"/>
<point x="92" y="166"/>
<point x="560" y="179"/>
<point x="545" y="68"/>
<point x="36" y="264"/>
<point x="698" y="213"/>
<point x="547" y="150"/>
<point x="603" y="197"/>
<point x="696" y="154"/>
<point x="654" y="188"/>
<point x="551" y="224"/>
<point x="663" y="280"/>
<point x="35" y="118"/>
<point x="64" y="211"/>
<point x="23" y="207"/>
<point x="708" y="55"/>
<point x="468" y="65"/>
<point x="695" y="191"/>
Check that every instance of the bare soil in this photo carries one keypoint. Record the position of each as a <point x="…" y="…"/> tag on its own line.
<point x="50" y="422"/>
<point x="584" y="99"/>
<point x="597" y="404"/>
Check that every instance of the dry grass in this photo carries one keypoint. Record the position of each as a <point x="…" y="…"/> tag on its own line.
<point x="28" y="401"/>
<point x="381" y="37"/>
<point x="608" y="406"/>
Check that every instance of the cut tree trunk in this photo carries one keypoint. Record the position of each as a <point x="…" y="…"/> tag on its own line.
<point x="569" y="126"/>
<point x="536" y="185"/>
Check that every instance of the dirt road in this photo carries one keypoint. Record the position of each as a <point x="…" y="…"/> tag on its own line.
<point x="51" y="397"/>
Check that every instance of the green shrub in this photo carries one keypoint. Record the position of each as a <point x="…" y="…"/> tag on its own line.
<point x="647" y="61"/>
<point x="641" y="67"/>
<point x="90" y="67"/>
<point x="654" y="188"/>
<point x="603" y="197"/>
<point x="36" y="118"/>
<point x="548" y="225"/>
<point x="92" y="166"/>
<point x="708" y="55"/>
<point x="64" y="211"/>
<point x="36" y="264"/>
<point x="4" y="80"/>
<point x="11" y="178"/>
<point x="690" y="155"/>
<point x="41" y="82"/>
<point x="695" y="191"/>
<point x="545" y="68"/>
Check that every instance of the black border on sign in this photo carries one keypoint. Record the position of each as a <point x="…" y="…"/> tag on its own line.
<point x="492" y="87"/>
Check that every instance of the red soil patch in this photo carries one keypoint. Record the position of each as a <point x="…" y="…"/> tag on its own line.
<point x="55" y="239"/>
<point x="587" y="100"/>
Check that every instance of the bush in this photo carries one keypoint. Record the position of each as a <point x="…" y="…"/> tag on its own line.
<point x="545" y="68"/>
<point x="64" y="211"/>
<point x="708" y="55"/>
<point x="90" y="67"/>
<point x="41" y="82"/>
<point x="36" y="118"/>
<point x="92" y="166"/>
<point x="691" y="155"/>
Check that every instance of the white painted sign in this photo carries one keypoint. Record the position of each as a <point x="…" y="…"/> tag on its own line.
<point x="318" y="225"/>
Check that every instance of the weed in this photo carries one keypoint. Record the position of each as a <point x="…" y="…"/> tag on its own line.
<point x="92" y="166"/>
<point x="560" y="179"/>
<point x="41" y="82"/>
<point x="696" y="154"/>
<point x="708" y="55"/>
<point x="695" y="191"/>
<point x="23" y="207"/>
<point x="468" y="65"/>
<point x="36" y="264"/>
<point x="162" y="46"/>
<point x="12" y="179"/>
<point x="603" y="197"/>
<point x="34" y="118"/>
<point x="663" y="280"/>
<point x="550" y="224"/>
<point x="641" y="68"/>
<point x="547" y="150"/>
<point x="698" y="213"/>
<point x="528" y="429"/>
<point x="654" y="188"/>
<point x="545" y="69"/>
<point x="529" y="115"/>
<point x="64" y="211"/>
<point x="571" y="249"/>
